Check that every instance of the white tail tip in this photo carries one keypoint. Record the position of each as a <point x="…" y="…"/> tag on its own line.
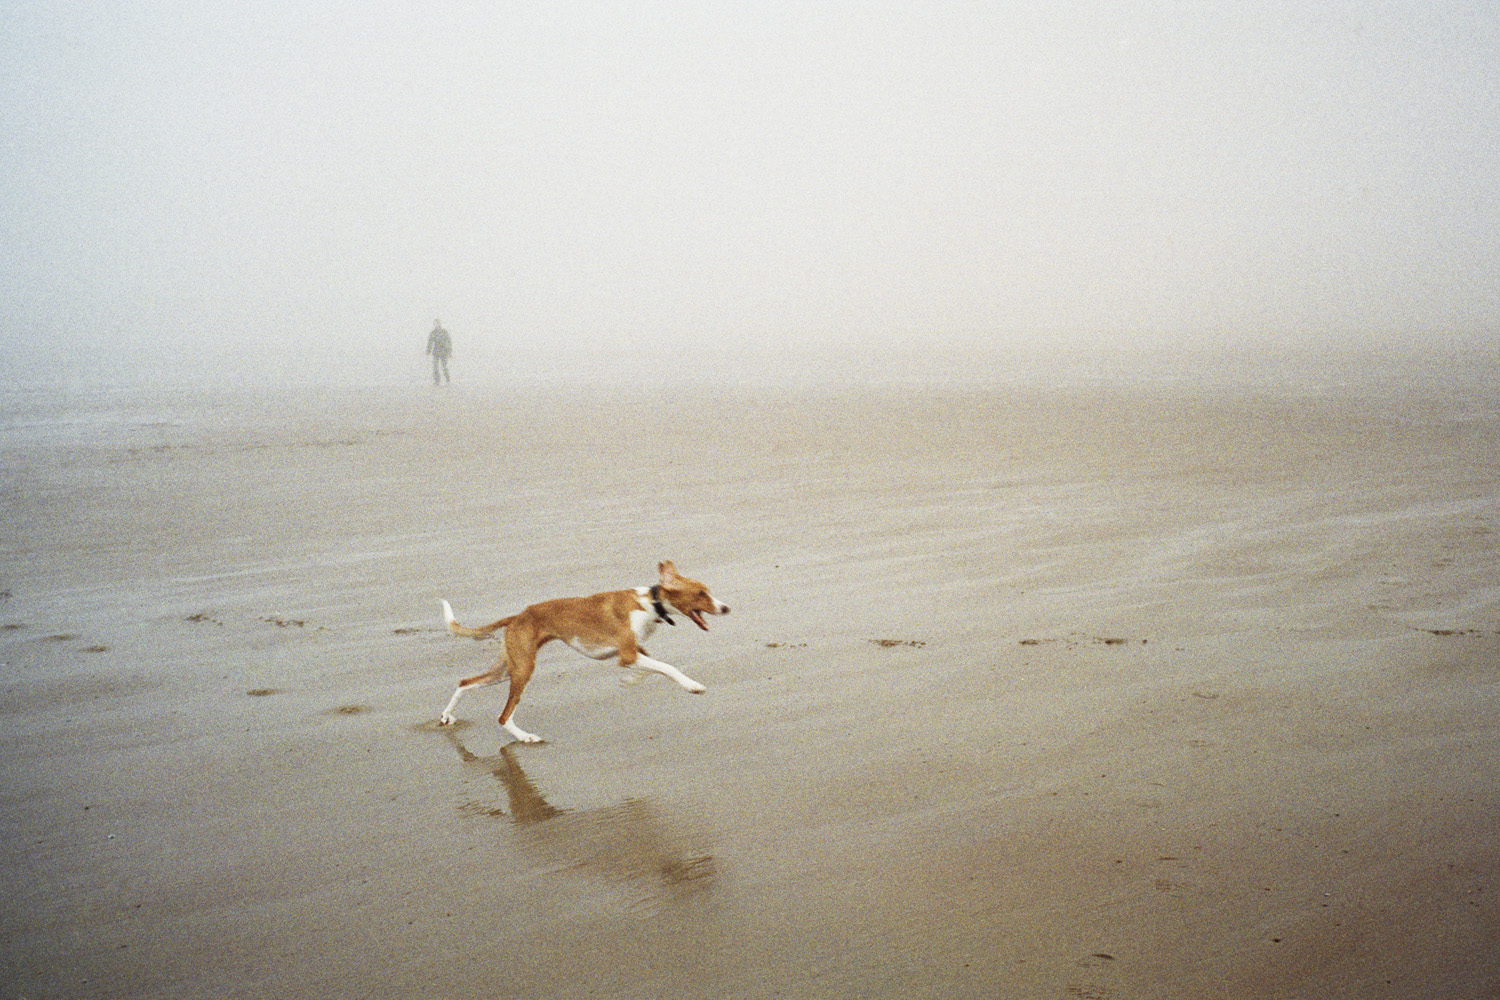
<point x="448" y="614"/>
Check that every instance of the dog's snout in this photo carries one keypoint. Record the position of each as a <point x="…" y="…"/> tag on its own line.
<point x="723" y="608"/>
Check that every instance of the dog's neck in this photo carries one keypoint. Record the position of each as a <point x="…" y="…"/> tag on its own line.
<point x="658" y="606"/>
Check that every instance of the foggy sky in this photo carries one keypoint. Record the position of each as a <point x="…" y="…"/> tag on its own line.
<point x="649" y="175"/>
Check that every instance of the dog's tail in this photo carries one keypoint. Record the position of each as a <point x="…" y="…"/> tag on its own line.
<point x="483" y="632"/>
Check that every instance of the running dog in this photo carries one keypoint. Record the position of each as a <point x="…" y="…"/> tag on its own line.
<point x="605" y="626"/>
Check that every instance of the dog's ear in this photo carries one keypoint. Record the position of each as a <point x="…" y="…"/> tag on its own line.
<point x="667" y="570"/>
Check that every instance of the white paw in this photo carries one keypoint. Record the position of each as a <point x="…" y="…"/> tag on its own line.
<point x="694" y="687"/>
<point x="520" y="734"/>
<point x="446" y="720"/>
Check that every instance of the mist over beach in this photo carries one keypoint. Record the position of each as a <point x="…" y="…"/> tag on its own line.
<point x="1090" y="415"/>
<point x="268" y="183"/>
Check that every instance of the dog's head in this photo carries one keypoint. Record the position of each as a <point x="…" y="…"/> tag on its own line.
<point x="688" y="596"/>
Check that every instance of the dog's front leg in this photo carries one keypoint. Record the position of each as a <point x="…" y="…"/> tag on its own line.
<point x="645" y="662"/>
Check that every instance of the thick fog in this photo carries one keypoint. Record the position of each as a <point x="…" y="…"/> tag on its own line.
<point x="294" y="187"/>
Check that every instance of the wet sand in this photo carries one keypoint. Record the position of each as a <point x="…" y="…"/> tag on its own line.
<point x="1089" y="685"/>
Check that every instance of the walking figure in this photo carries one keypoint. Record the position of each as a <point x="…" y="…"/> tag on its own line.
<point x="439" y="345"/>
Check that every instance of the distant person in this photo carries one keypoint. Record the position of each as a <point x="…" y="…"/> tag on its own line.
<point x="439" y="345"/>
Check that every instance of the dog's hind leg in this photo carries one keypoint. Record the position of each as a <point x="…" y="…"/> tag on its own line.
<point x="494" y="676"/>
<point x="517" y="685"/>
<point x="520" y="652"/>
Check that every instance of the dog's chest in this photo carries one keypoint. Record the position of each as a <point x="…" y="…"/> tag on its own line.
<point x="643" y="620"/>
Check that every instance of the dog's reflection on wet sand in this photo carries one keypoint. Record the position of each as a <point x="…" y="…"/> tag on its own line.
<point x="629" y="844"/>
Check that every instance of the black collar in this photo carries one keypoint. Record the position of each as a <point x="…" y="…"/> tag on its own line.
<point x="659" y="607"/>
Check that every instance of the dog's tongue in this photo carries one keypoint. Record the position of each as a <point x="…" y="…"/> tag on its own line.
<point x="697" y="618"/>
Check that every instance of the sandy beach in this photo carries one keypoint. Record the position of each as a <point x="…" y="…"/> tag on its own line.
<point x="1094" y="682"/>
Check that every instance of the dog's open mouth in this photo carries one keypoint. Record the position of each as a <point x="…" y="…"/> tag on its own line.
<point x="697" y="617"/>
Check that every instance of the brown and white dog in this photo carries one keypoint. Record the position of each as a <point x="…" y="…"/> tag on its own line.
<point x="603" y="627"/>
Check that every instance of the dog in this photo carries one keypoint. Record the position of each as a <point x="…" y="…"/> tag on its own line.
<point x="606" y="626"/>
